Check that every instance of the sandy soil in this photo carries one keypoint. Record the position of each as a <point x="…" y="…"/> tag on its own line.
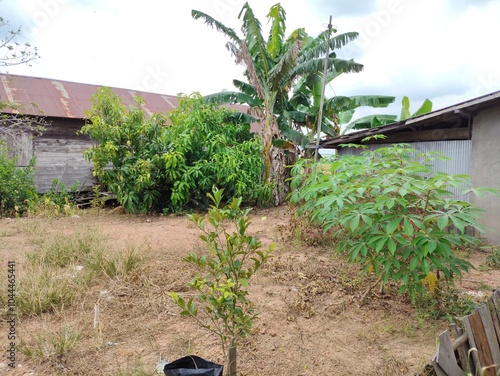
<point x="310" y="322"/>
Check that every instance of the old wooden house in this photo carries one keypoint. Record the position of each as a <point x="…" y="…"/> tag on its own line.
<point x="62" y="105"/>
<point x="468" y="133"/>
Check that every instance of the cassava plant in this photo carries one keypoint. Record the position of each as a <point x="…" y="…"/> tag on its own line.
<point x="221" y="304"/>
<point x="390" y="213"/>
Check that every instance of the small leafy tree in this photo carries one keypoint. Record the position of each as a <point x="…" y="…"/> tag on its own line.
<point x="389" y="213"/>
<point x="152" y="166"/>
<point x="12" y="53"/>
<point x="17" y="186"/>
<point x="222" y="305"/>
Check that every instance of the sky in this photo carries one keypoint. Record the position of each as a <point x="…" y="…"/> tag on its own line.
<point x="444" y="50"/>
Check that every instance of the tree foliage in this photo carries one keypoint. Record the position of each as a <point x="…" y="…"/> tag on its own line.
<point x="153" y="167"/>
<point x="390" y="213"/>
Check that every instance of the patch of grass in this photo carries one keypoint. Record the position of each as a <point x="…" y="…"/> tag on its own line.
<point x="485" y="287"/>
<point x="86" y="249"/>
<point x="4" y="233"/>
<point x="62" y="267"/>
<point x="50" y="343"/>
<point x="34" y="227"/>
<point x="61" y="250"/>
<point x="43" y="289"/>
<point x="122" y="264"/>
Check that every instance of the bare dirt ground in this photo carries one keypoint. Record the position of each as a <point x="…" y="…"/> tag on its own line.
<point x="310" y="322"/>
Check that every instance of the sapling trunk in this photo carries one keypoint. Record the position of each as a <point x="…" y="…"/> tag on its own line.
<point x="232" y="361"/>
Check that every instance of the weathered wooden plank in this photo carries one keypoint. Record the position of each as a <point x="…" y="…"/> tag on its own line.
<point x="69" y="175"/>
<point x="429" y="135"/>
<point x="19" y="146"/>
<point x="494" y="305"/>
<point x="445" y="356"/>
<point x="460" y="340"/>
<point x="482" y="340"/>
<point x="473" y="357"/>
<point x="491" y="338"/>
<point x="437" y="368"/>
<point x="459" y="344"/>
<point x="62" y="159"/>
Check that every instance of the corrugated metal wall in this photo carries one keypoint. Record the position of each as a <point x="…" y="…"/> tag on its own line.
<point x="458" y="151"/>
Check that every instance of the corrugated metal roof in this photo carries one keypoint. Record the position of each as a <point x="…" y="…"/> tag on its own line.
<point x="451" y="113"/>
<point x="56" y="98"/>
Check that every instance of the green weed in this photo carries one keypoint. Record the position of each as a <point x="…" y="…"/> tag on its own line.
<point x="50" y="343"/>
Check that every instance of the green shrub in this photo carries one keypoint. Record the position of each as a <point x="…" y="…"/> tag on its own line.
<point x="17" y="186"/>
<point x="60" y="194"/>
<point x="156" y="167"/>
<point x="390" y="213"/>
<point x="58" y="201"/>
<point x="444" y="302"/>
<point x="493" y="258"/>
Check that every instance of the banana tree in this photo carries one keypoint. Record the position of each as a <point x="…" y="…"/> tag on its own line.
<point x="273" y="65"/>
<point x="372" y="121"/>
<point x="337" y="110"/>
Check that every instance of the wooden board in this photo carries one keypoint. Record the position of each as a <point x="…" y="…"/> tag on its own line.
<point x="445" y="357"/>
<point x="62" y="159"/>
<point x="19" y="146"/>
<point x="485" y="339"/>
<point x="494" y="306"/>
<point x="460" y="344"/>
<point x="473" y="358"/>
<point x="491" y="337"/>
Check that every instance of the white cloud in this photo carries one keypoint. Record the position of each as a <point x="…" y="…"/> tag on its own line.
<point x="424" y="48"/>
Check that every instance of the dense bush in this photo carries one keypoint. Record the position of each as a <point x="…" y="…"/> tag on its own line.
<point x="390" y="213"/>
<point x="154" y="167"/>
<point x="17" y="186"/>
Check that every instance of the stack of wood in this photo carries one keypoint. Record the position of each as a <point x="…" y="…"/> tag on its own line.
<point x="475" y="349"/>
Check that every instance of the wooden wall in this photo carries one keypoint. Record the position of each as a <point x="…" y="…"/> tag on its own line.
<point x="59" y="155"/>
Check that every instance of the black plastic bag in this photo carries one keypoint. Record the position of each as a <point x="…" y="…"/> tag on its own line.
<point x="192" y="365"/>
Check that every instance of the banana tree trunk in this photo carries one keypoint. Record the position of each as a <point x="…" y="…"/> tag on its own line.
<point x="277" y="160"/>
<point x="280" y="172"/>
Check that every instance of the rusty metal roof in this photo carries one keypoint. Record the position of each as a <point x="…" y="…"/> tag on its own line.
<point x="56" y="98"/>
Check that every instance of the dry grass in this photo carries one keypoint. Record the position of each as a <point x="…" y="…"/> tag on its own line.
<point x="123" y="267"/>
